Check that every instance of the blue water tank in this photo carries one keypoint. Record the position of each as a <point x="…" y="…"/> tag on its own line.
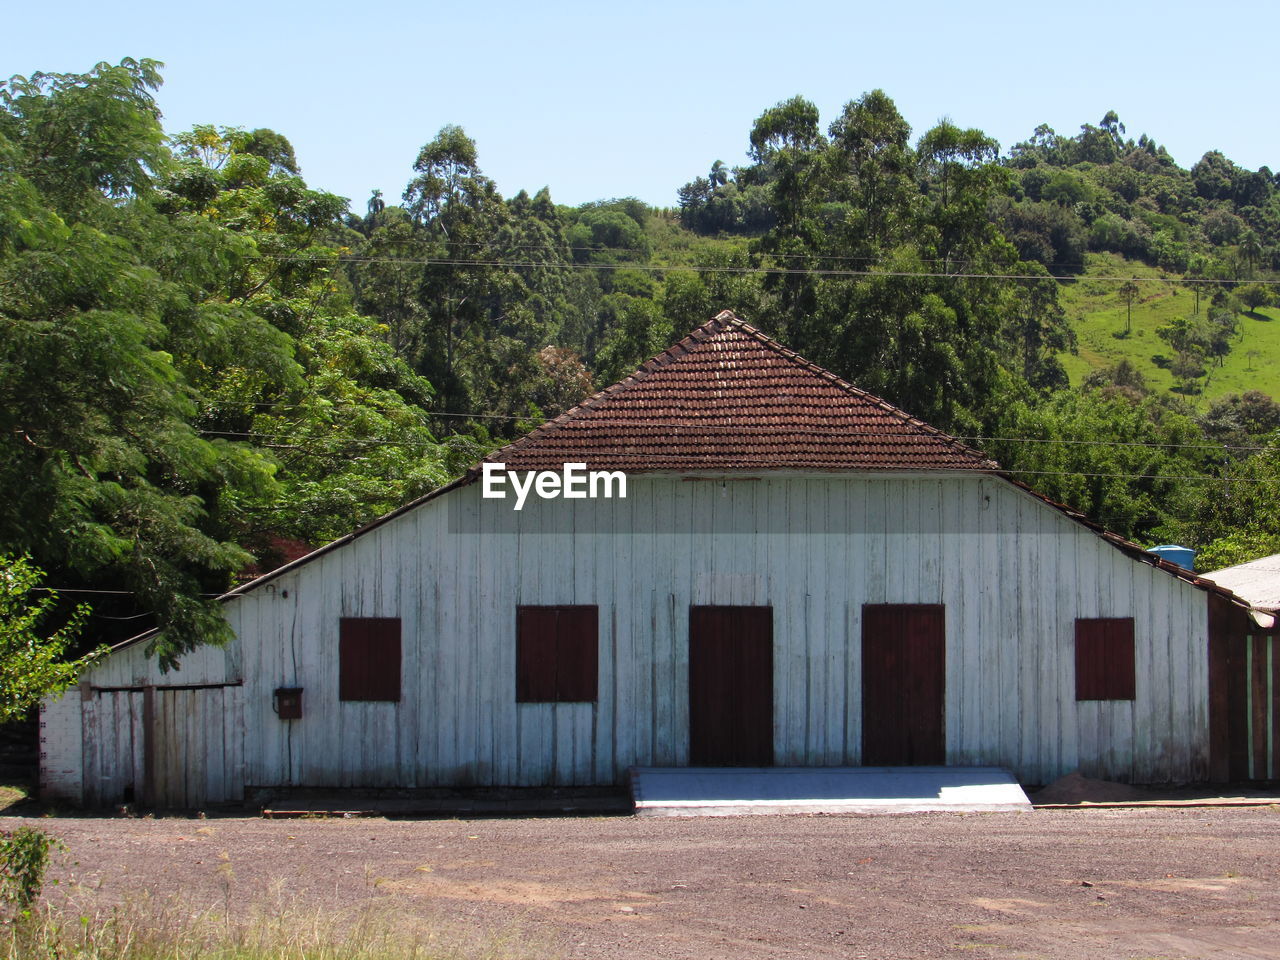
<point x="1182" y="556"/>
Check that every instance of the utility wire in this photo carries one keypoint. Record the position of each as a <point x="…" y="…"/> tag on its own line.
<point x="696" y="461"/>
<point x="108" y="593"/>
<point x="1216" y="447"/>
<point x="773" y="271"/>
<point x="775" y="254"/>
<point x="475" y="415"/>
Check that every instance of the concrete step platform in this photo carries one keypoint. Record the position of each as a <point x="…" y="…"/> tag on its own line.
<point x="735" y="791"/>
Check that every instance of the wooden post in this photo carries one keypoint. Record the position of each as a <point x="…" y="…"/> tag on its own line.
<point x="1219" y="706"/>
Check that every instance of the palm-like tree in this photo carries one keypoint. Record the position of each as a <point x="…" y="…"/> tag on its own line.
<point x="1251" y="250"/>
<point x="719" y="175"/>
<point x="1129" y="290"/>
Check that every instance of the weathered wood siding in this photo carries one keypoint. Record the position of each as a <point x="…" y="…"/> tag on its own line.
<point x="166" y="747"/>
<point x="1262" y="707"/>
<point x="1011" y="572"/>
<point x="115" y="747"/>
<point x="197" y="748"/>
<point x="1244" y="697"/>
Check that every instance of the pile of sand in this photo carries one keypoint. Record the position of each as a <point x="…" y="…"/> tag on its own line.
<point x="1077" y="788"/>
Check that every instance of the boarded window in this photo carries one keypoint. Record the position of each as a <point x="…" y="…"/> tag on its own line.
<point x="557" y="654"/>
<point x="369" y="658"/>
<point x="1104" y="659"/>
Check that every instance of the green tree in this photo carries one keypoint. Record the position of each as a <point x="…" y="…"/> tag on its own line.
<point x="33" y="661"/>
<point x="789" y="125"/>
<point x="182" y="370"/>
<point x="104" y="316"/>
<point x="1255" y="295"/>
<point x="787" y="140"/>
<point x="874" y="156"/>
<point x="457" y="212"/>
<point x="888" y="260"/>
<point x="1190" y="340"/>
<point x="1120" y="458"/>
<point x="1237" y="517"/>
<point x="344" y="421"/>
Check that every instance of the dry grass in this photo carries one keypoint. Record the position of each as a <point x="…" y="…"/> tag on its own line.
<point x="12" y="794"/>
<point x="147" y="928"/>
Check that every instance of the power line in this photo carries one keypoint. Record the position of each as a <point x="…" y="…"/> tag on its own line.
<point x="774" y="254"/>
<point x="771" y="271"/>
<point x="1216" y="447"/>
<point x="695" y="461"/>
<point x="476" y="415"/>
<point x="108" y="593"/>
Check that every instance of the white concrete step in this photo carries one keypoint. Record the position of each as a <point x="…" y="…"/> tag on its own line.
<point x="734" y="791"/>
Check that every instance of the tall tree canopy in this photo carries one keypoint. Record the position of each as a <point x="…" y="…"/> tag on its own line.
<point x="105" y="473"/>
<point x="184" y="376"/>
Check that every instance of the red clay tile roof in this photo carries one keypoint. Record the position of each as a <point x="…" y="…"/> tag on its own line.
<point x="727" y="397"/>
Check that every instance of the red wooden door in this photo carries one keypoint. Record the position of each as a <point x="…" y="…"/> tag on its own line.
<point x="731" y="686"/>
<point x="903" y="677"/>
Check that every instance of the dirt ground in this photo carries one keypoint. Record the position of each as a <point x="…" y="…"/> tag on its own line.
<point x="1146" y="883"/>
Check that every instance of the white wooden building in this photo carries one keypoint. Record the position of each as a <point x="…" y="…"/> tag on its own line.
<point x="798" y="574"/>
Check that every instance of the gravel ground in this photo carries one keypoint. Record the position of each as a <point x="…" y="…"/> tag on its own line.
<point x="1147" y="883"/>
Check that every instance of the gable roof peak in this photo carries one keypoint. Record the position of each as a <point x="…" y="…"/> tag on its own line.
<point x="727" y="397"/>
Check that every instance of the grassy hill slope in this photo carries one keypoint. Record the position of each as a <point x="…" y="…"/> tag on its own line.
<point x="1097" y="314"/>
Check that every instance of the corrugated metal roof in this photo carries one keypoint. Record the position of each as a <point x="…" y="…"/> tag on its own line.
<point x="727" y="397"/>
<point x="1258" y="581"/>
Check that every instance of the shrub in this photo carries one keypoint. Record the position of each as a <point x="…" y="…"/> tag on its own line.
<point x="24" y="857"/>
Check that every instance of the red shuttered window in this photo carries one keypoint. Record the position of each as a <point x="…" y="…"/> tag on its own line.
<point x="1104" y="659"/>
<point x="369" y="658"/>
<point x="557" y="654"/>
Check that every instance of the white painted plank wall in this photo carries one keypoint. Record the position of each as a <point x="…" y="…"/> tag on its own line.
<point x="1012" y="572"/>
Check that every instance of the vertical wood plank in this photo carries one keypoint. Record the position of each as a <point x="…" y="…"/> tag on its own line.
<point x="967" y="564"/>
<point x="434" y="537"/>
<point x="151" y="789"/>
<point x="219" y="706"/>
<point x="629" y="610"/>
<point x="1029" y="642"/>
<point x="813" y="748"/>
<point x="611" y="522"/>
<point x="122" y="747"/>
<point x="1260" y="702"/>
<point x="1219" y="694"/>
<point x="1048" y="693"/>
<point x="831" y="602"/>
<point x="1273" y="650"/>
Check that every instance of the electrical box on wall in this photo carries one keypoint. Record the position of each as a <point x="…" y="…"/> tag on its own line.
<point x="288" y="703"/>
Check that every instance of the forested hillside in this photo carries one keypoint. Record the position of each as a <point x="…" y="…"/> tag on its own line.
<point x="208" y="363"/>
